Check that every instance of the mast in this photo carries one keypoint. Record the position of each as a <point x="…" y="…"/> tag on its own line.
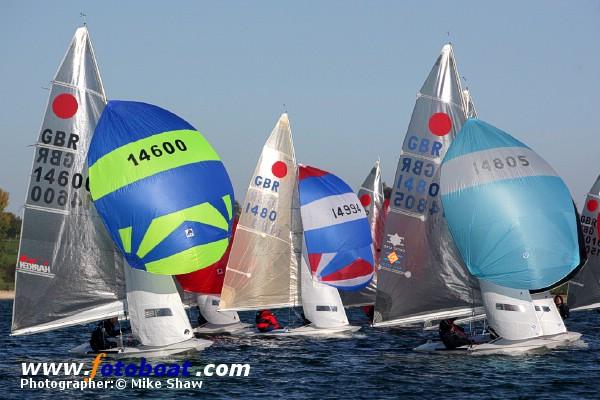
<point x="68" y="271"/>
<point x="421" y="275"/>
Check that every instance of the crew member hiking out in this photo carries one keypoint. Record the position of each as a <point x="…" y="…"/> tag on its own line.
<point x="100" y="340"/>
<point x="452" y="335"/>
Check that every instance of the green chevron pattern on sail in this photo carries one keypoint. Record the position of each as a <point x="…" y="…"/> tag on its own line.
<point x="163" y="226"/>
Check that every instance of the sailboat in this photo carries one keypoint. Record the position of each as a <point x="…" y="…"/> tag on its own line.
<point x="492" y="186"/>
<point x="584" y="288"/>
<point x="371" y="198"/>
<point x="421" y="276"/>
<point x="142" y="159"/>
<point x="205" y="286"/>
<point x="69" y="271"/>
<point x="270" y="266"/>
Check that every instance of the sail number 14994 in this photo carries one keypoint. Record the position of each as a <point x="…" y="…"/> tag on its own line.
<point x="346" y="209"/>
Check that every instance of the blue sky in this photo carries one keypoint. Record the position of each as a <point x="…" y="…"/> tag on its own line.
<point x="347" y="71"/>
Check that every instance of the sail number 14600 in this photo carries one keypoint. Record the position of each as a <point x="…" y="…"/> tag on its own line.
<point x="156" y="151"/>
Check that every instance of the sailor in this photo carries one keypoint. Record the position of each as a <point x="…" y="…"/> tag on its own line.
<point x="563" y="309"/>
<point x="452" y="335"/>
<point x="201" y="319"/>
<point x="369" y="312"/>
<point x="100" y="340"/>
<point x="266" y="321"/>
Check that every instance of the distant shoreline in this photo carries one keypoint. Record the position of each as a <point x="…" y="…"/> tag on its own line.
<point x="7" y="294"/>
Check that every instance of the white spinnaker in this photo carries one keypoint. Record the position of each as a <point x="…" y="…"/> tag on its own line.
<point x="156" y="312"/>
<point x="263" y="264"/>
<point x="321" y="303"/>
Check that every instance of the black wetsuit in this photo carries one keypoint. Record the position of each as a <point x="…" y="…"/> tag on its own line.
<point x="104" y="330"/>
<point x="453" y="336"/>
<point x="563" y="310"/>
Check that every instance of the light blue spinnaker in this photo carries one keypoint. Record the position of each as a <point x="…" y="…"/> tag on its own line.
<point x="510" y="214"/>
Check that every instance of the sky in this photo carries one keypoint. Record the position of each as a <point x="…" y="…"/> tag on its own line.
<point x="346" y="71"/>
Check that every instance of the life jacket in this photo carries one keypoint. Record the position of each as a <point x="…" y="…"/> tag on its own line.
<point x="267" y="320"/>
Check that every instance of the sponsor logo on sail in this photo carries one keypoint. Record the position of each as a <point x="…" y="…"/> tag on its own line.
<point x="34" y="266"/>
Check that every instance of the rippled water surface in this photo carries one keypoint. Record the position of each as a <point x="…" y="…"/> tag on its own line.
<point x="373" y="363"/>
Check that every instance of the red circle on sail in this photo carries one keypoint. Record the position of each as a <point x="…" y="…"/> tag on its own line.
<point x="440" y="124"/>
<point x="279" y="169"/>
<point x="592" y="205"/>
<point x="65" y="105"/>
<point x="365" y="200"/>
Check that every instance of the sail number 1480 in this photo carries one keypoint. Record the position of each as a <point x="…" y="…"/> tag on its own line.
<point x="261" y="212"/>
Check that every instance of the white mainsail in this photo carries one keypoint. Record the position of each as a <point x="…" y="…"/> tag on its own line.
<point x="263" y="265"/>
<point x="421" y="276"/>
<point x="68" y="270"/>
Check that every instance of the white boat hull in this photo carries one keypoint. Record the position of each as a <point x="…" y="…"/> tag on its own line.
<point x="307" y="330"/>
<point x="504" y="346"/>
<point x="218" y="329"/>
<point x="146" y="351"/>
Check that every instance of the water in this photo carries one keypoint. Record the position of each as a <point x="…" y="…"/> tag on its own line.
<point x="374" y="363"/>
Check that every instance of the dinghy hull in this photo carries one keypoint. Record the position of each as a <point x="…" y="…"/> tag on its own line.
<point x="147" y="351"/>
<point x="506" y="347"/>
<point x="307" y="330"/>
<point x="219" y="329"/>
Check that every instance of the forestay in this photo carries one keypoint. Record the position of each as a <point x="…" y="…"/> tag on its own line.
<point x="68" y="270"/>
<point x="421" y="275"/>
<point x="263" y="266"/>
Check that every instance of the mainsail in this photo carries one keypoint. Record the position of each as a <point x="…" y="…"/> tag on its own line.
<point x="372" y="199"/>
<point x="470" y="110"/>
<point x="421" y="275"/>
<point x="263" y="265"/>
<point x="68" y="270"/>
<point x="584" y="288"/>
